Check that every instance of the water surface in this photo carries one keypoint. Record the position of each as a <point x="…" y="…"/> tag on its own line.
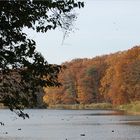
<point x="70" y="125"/>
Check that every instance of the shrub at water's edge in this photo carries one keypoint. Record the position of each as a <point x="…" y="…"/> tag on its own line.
<point x="82" y="106"/>
<point x="133" y="107"/>
<point x="2" y="106"/>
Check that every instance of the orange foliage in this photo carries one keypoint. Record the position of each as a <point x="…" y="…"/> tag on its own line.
<point x="111" y="78"/>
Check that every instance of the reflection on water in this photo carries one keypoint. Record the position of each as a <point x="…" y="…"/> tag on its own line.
<point x="70" y="125"/>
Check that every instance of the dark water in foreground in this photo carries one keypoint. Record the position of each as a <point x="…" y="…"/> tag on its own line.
<point x="70" y="125"/>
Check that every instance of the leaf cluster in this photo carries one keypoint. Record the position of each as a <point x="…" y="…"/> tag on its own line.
<point x="23" y="70"/>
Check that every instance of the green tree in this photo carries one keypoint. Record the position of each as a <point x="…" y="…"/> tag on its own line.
<point x="23" y="70"/>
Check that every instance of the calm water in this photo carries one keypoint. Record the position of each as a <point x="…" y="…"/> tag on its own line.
<point x="69" y="125"/>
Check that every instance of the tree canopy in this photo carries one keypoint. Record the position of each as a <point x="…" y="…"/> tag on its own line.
<point x="23" y="70"/>
<point x="113" y="78"/>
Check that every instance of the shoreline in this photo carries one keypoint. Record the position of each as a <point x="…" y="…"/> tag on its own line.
<point x="130" y="109"/>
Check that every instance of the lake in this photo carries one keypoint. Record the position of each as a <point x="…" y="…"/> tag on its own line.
<point x="46" y="124"/>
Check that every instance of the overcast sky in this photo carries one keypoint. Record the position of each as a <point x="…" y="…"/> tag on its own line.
<point x="103" y="27"/>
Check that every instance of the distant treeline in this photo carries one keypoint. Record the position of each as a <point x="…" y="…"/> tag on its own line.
<point x="113" y="78"/>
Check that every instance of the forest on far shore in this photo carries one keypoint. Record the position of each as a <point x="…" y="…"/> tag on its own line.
<point x="113" y="78"/>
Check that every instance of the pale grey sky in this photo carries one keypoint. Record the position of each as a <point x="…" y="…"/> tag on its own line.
<point x="104" y="27"/>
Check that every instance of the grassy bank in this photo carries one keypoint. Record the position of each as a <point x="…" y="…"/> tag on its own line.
<point x="82" y="106"/>
<point x="132" y="108"/>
